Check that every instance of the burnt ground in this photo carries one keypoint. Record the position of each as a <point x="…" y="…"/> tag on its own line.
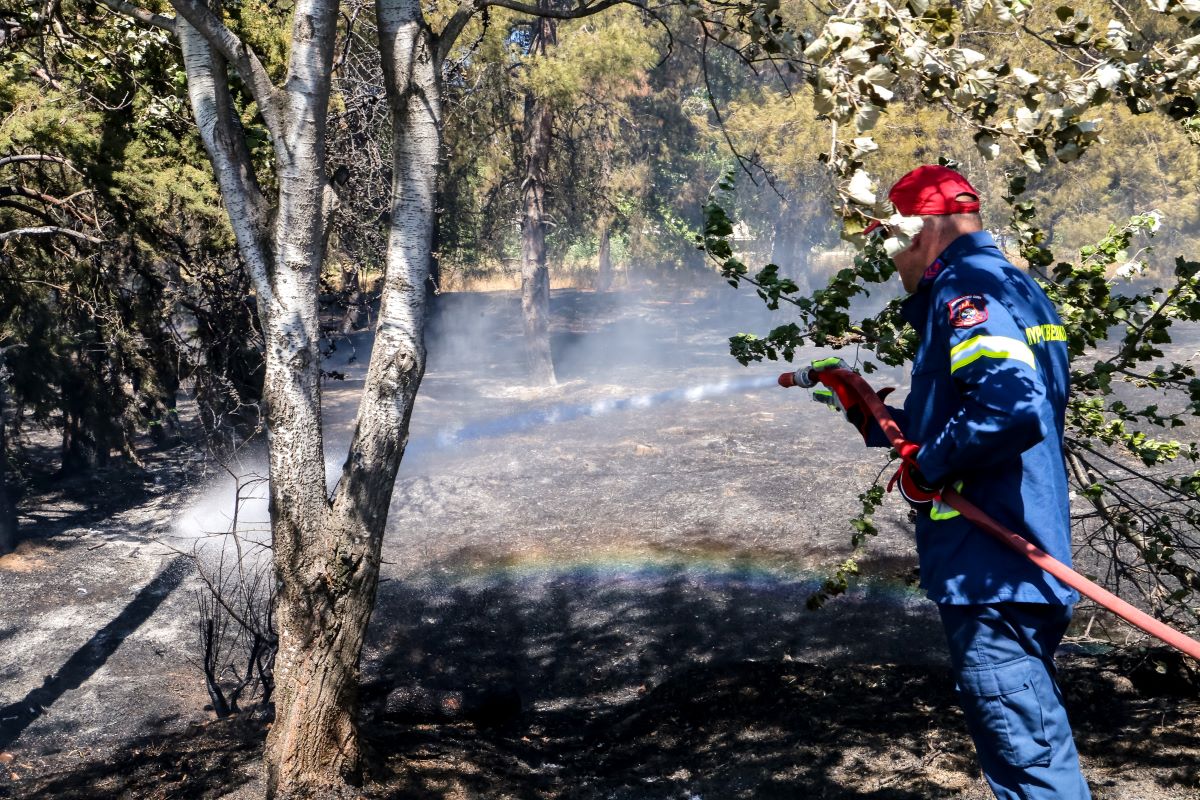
<point x="606" y="606"/>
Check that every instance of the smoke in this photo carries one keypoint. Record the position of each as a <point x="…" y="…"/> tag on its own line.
<point x="617" y="356"/>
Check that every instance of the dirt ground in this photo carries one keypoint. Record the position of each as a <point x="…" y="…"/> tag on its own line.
<point x="599" y="604"/>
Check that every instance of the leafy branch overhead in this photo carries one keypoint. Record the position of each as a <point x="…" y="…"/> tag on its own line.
<point x="1033" y="106"/>
<point x="867" y="58"/>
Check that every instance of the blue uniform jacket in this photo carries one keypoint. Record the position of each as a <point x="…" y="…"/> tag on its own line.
<point x="988" y="397"/>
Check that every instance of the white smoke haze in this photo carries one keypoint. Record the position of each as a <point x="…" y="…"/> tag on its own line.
<point x="617" y="355"/>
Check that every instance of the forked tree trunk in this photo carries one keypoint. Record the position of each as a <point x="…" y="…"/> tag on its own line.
<point x="327" y="549"/>
<point x="329" y="565"/>
<point x="312" y="748"/>
<point x="535" y="279"/>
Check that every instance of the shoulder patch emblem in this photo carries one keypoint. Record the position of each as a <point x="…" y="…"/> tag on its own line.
<point x="967" y="311"/>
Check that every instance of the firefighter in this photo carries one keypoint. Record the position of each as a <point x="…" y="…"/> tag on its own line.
<point x="985" y="414"/>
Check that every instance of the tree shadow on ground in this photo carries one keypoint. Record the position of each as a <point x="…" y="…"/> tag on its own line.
<point x="55" y="504"/>
<point x="656" y="684"/>
<point x="201" y="761"/>
<point x="16" y="717"/>
<point x="670" y="683"/>
<point x="50" y="504"/>
<point x="661" y="683"/>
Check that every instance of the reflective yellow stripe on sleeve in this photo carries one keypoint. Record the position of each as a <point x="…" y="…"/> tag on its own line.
<point x="940" y="511"/>
<point x="992" y="347"/>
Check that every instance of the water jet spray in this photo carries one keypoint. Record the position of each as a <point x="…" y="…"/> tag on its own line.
<point x="526" y="420"/>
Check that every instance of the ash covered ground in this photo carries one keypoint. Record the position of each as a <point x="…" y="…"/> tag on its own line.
<point x="614" y="590"/>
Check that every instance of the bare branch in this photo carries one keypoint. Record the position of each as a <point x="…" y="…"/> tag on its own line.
<point x="1186" y="576"/>
<point x="63" y="203"/>
<point x="27" y="157"/>
<point x="141" y="15"/>
<point x="30" y="210"/>
<point x="454" y="28"/>
<point x="743" y="161"/>
<point x="48" y="230"/>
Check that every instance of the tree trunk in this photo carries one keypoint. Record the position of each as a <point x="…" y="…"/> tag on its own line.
<point x="352" y="297"/>
<point x="312" y="748"/>
<point x="8" y="512"/>
<point x="326" y="549"/>
<point x="604" y="271"/>
<point x="328" y="554"/>
<point x="535" y="279"/>
<point x="81" y="452"/>
<point x="792" y="240"/>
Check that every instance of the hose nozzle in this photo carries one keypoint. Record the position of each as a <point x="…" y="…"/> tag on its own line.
<point x="804" y="378"/>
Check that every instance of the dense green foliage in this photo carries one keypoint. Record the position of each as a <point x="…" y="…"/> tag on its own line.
<point x="623" y="153"/>
<point x="117" y="279"/>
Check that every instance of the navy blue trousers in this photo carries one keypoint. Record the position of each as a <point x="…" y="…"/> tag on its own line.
<point x="1003" y="660"/>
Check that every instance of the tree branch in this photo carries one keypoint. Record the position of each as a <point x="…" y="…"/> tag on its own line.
<point x="141" y="15"/>
<point x="27" y="157"/>
<point x="468" y="8"/>
<point x="30" y="210"/>
<point x="48" y="230"/>
<point x="1186" y="576"/>
<point x="578" y="12"/>
<point x="454" y="28"/>
<point x="244" y="60"/>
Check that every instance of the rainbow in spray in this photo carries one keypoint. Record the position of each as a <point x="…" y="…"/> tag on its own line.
<point x="713" y="571"/>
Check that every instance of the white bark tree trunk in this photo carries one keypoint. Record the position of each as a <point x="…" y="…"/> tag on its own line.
<point x="312" y="748"/>
<point x="328" y="588"/>
<point x="326" y="549"/>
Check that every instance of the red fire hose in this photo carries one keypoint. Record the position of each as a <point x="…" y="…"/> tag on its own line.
<point x="854" y="383"/>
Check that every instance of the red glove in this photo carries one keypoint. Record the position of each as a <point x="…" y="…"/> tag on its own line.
<point x="844" y="400"/>
<point x="914" y="487"/>
<point x="858" y="415"/>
